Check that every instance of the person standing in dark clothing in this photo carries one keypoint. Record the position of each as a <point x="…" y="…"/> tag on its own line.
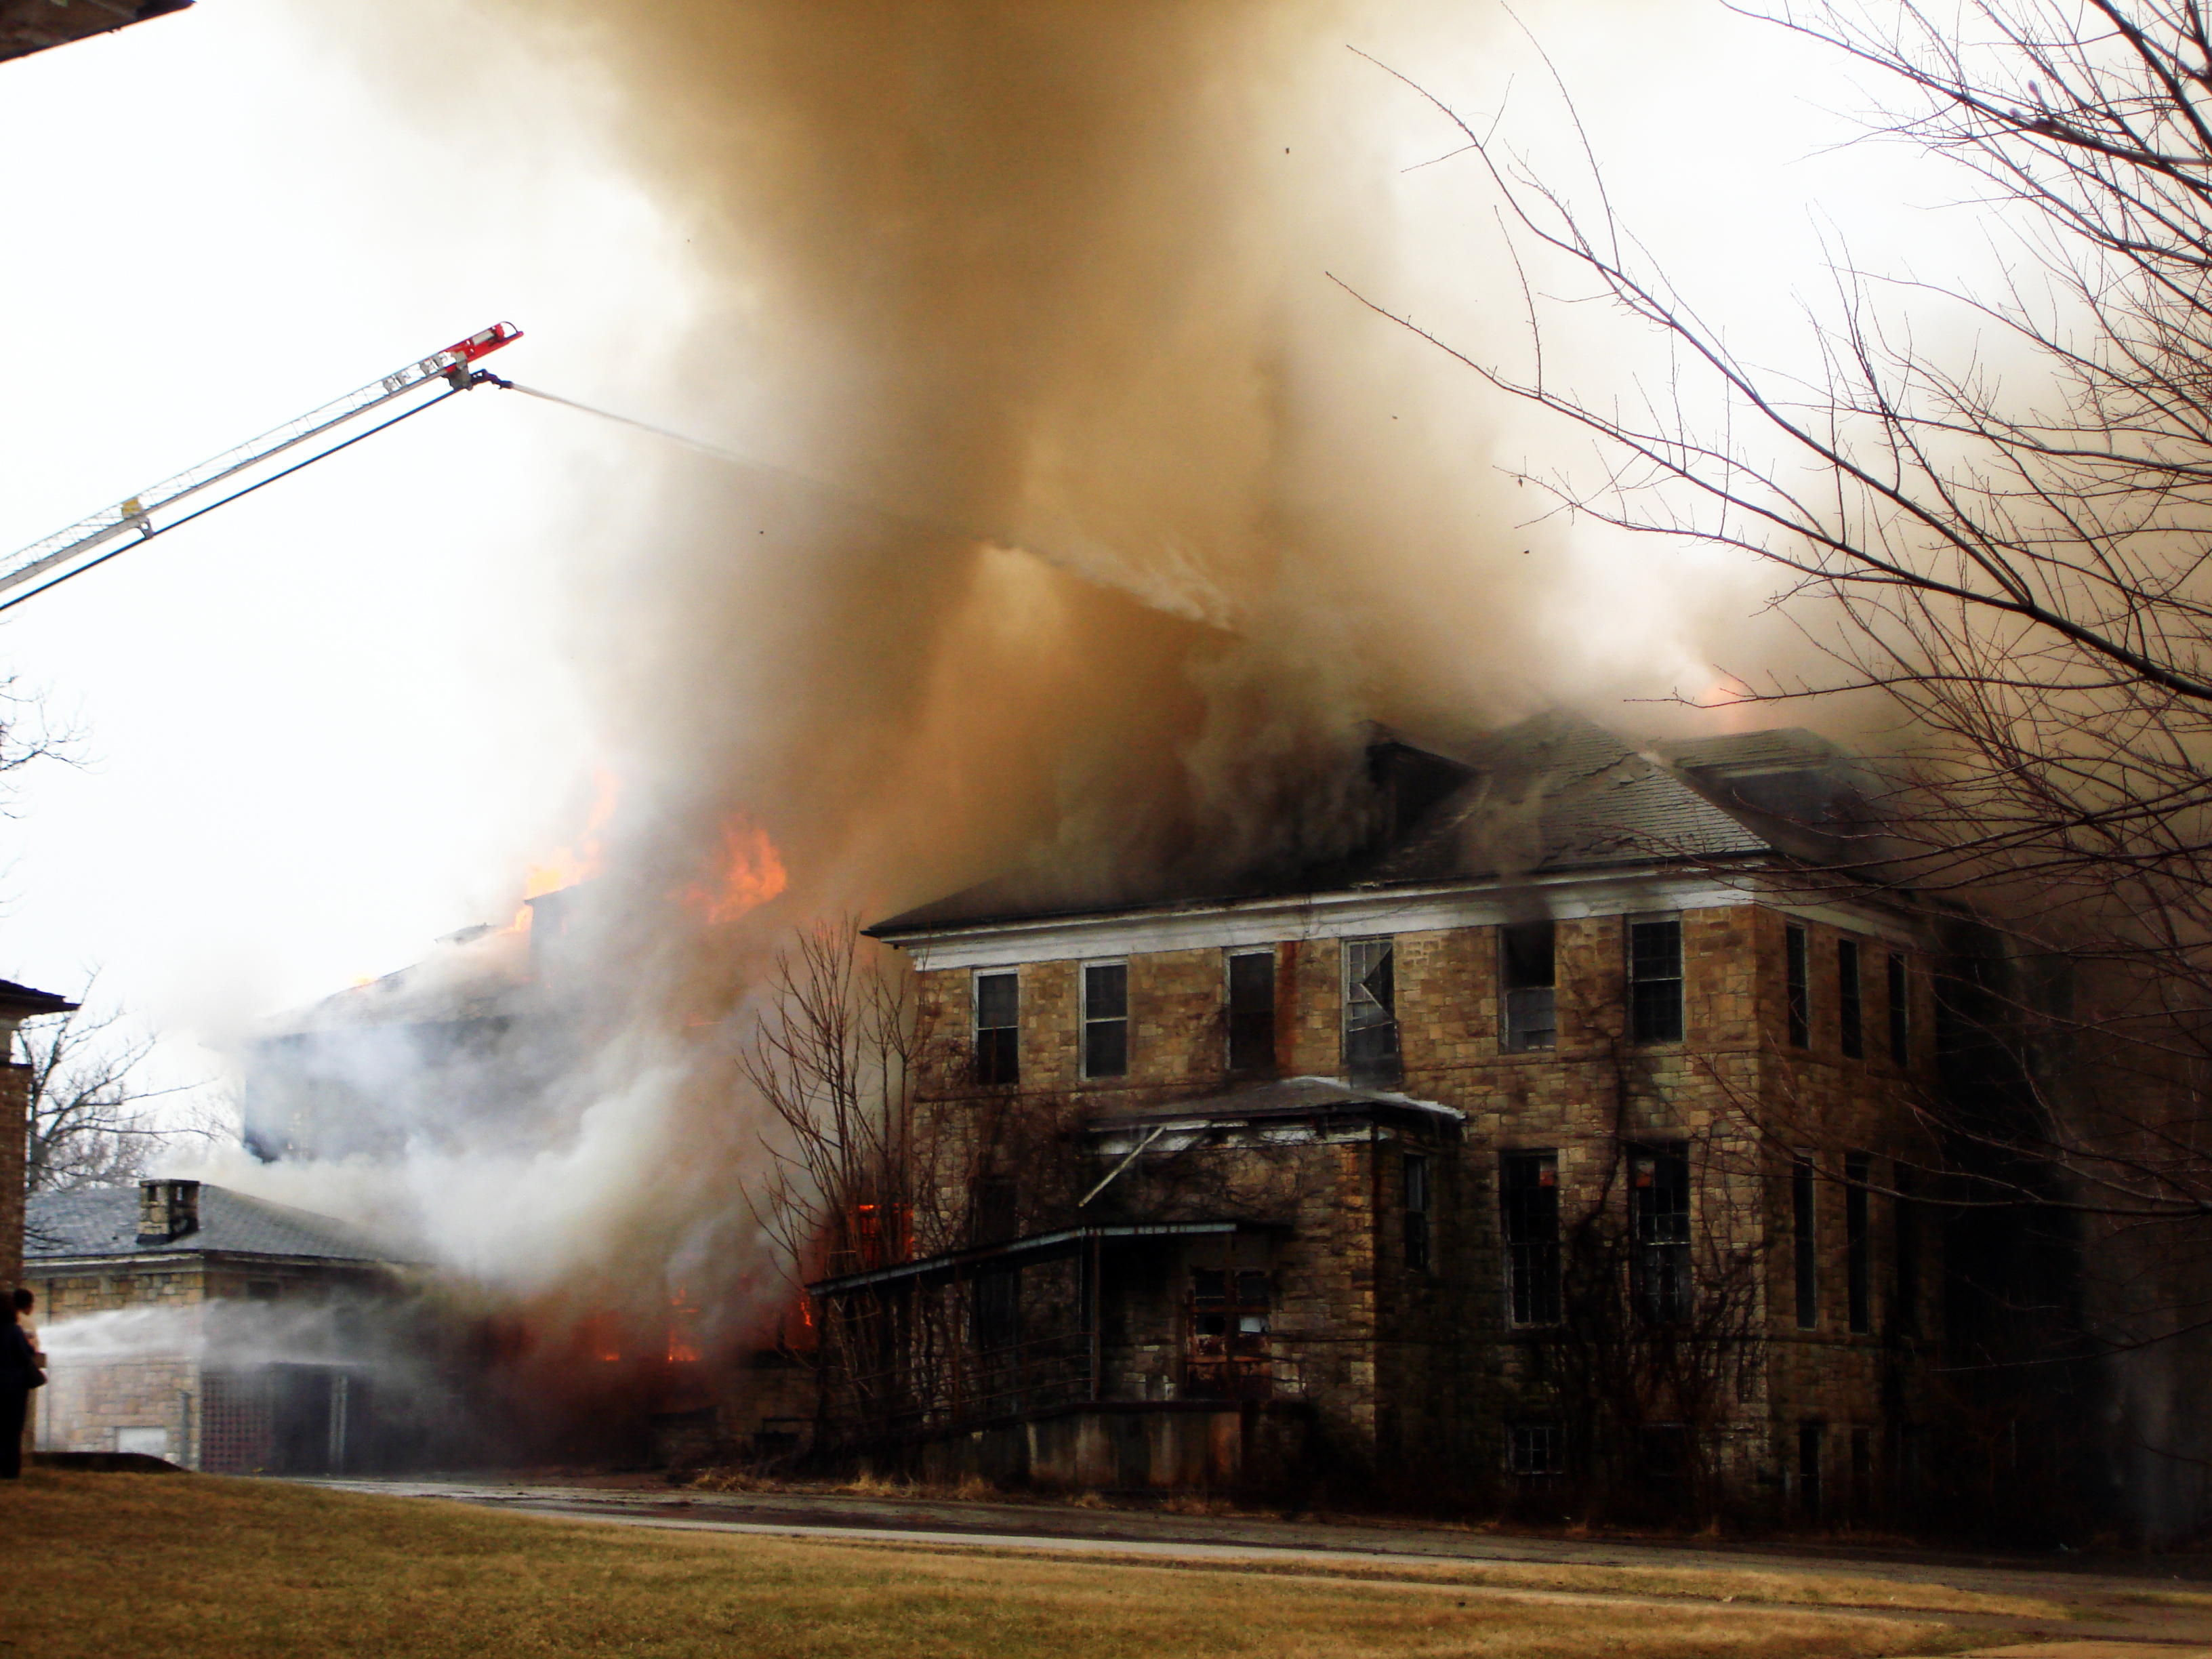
<point x="19" y="1375"/>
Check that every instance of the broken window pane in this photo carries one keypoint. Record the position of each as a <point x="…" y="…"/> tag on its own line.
<point x="1654" y="982"/>
<point x="1370" y="1012"/>
<point x="1528" y="1188"/>
<point x="1106" y="1019"/>
<point x="1527" y="964"/>
<point x="998" y="1029"/>
<point x="1800" y="990"/>
<point x="1659" y="1216"/>
<point x="1252" y="1011"/>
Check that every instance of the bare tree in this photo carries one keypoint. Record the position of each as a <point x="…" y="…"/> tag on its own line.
<point x="92" y="1123"/>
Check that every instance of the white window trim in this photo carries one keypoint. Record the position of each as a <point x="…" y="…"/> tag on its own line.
<point x="1083" y="1018"/>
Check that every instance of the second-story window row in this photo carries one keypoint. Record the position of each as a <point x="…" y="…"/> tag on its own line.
<point x="1655" y="980"/>
<point x="1105" y="1019"/>
<point x="1371" y="1010"/>
<point x="1527" y="969"/>
<point x="1252" y="1011"/>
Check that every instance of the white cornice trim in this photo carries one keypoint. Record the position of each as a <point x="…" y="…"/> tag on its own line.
<point x="1233" y="924"/>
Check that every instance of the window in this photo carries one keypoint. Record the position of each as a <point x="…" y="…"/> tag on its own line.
<point x="1900" y="1010"/>
<point x="1105" y="1018"/>
<point x="1529" y="1193"/>
<point x="1665" y="1448"/>
<point x="1532" y="1448"/>
<point x="1904" y="1215"/>
<point x="1850" y="1033"/>
<point x="1417" y="1213"/>
<point x="1252" y="1011"/>
<point x="1229" y="1315"/>
<point x="1857" y="1267"/>
<point x="1801" y="993"/>
<point x="1370" y="1012"/>
<point x="1655" y="981"/>
<point x="1808" y="1467"/>
<point x="1526" y="969"/>
<point x="1805" y="1241"/>
<point x="998" y="1029"/>
<point x="1659" y="1216"/>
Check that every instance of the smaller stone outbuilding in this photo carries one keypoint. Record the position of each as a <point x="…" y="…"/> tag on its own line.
<point x="216" y="1330"/>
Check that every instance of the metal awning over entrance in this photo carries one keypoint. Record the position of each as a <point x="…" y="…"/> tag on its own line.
<point x="1017" y="1253"/>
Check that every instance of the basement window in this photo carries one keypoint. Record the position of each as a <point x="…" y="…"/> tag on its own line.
<point x="1851" y="1029"/>
<point x="1655" y="980"/>
<point x="1417" y="1213"/>
<point x="1858" y="1266"/>
<point x="1659" y="1221"/>
<point x="1804" y="1240"/>
<point x="1534" y="1449"/>
<point x="998" y="1029"/>
<point x="1800" y="988"/>
<point x="1105" y="1019"/>
<point x="1528" y="1194"/>
<point x="1526" y="968"/>
<point x="1901" y="1007"/>
<point x="1252" y="1011"/>
<point x="1371" y="1010"/>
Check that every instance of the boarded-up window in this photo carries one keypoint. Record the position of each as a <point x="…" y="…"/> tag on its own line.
<point x="1659" y="1217"/>
<point x="1105" y="1019"/>
<point x="1252" y="1011"/>
<point x="1371" y="1010"/>
<point x="1529" y="1191"/>
<point x="1526" y="966"/>
<point x="998" y="1029"/>
<point x="1655" y="981"/>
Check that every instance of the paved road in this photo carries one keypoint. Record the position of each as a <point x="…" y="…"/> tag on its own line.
<point x="2107" y="1594"/>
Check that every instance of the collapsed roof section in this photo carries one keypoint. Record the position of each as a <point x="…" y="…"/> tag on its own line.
<point x="1553" y="795"/>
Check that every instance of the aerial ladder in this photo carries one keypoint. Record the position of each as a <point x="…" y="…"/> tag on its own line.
<point x="73" y="551"/>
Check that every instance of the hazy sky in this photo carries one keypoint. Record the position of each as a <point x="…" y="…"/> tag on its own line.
<point x="324" y="725"/>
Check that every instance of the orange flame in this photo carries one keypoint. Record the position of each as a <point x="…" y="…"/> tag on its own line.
<point x="751" y="873"/>
<point x="683" y="1318"/>
<point x="568" y="865"/>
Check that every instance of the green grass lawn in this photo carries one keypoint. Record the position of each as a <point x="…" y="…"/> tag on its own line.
<point x="160" y="1566"/>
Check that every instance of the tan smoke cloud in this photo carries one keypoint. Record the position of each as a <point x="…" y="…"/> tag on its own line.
<point x="1054" y="276"/>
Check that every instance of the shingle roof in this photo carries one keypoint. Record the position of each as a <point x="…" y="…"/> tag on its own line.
<point x="23" y="1002"/>
<point x="1555" y="793"/>
<point x="104" y="1221"/>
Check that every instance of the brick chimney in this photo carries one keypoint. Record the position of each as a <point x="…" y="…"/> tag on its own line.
<point x="167" y="1210"/>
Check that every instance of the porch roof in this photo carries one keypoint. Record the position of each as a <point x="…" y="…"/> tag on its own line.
<point x="1020" y="1253"/>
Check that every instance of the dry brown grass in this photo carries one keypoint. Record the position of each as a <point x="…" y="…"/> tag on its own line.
<point x="190" y="1565"/>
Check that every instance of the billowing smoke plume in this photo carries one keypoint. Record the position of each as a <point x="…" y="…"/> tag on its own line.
<point x="1161" y="515"/>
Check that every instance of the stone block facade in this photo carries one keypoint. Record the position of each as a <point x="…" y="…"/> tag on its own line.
<point x="1804" y="1390"/>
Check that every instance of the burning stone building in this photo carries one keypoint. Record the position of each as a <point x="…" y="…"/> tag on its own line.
<point x="1562" y="1137"/>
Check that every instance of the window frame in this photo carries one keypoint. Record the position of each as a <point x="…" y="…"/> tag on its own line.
<point x="1797" y="983"/>
<point x="1665" y="1275"/>
<point x="976" y="1028"/>
<point x="1229" y="959"/>
<point x="1900" y="1010"/>
<point x="1511" y="1032"/>
<point x="1370" y="1072"/>
<point x="1678" y="979"/>
<point x="1805" y="1238"/>
<point x="1533" y="1293"/>
<point x="1418" y="1187"/>
<point x="1850" y="999"/>
<point x="1085" y="1019"/>
<point x="1858" y="1243"/>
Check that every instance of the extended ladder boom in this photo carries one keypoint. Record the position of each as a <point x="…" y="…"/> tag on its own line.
<point x="455" y="365"/>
